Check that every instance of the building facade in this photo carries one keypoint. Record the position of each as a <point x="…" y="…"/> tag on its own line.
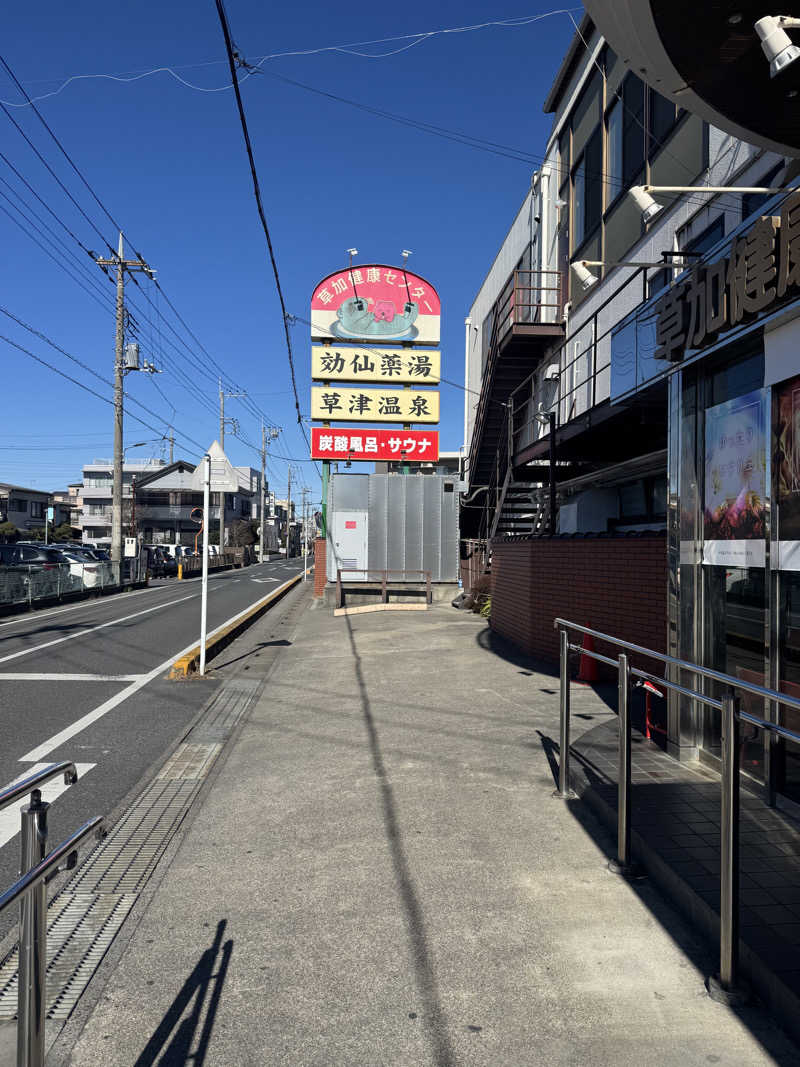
<point x="637" y="371"/>
<point x="25" y="508"/>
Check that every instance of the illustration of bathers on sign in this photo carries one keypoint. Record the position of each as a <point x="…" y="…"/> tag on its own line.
<point x="376" y="302"/>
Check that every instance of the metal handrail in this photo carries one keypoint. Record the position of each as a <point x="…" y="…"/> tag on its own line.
<point x="705" y="672"/>
<point x="31" y="891"/>
<point x="50" y="864"/>
<point x="34" y="781"/>
<point x="723" y="987"/>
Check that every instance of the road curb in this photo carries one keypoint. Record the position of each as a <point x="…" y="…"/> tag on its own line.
<point x="189" y="663"/>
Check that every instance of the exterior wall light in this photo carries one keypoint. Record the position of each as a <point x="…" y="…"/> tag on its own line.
<point x="644" y="201"/>
<point x="776" y="42"/>
<point x="584" y="275"/>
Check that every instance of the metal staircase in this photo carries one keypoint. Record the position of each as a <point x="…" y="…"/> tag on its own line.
<point x="523" y="511"/>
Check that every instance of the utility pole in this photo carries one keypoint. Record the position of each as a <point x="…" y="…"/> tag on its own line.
<point x="171" y="439"/>
<point x="120" y="264"/>
<point x="288" y="509"/>
<point x="273" y="433"/>
<point x="234" y="425"/>
<point x="305" y="492"/>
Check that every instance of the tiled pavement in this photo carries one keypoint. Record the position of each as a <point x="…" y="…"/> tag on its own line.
<point x="676" y="833"/>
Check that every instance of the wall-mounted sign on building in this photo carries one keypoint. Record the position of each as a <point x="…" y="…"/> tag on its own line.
<point x="417" y="366"/>
<point x="349" y="403"/>
<point x="762" y="270"/>
<point x="345" y="442"/>
<point x="375" y="302"/>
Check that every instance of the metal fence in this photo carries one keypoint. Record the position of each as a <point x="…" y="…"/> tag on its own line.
<point x="37" y="868"/>
<point x="724" y="986"/>
<point x="22" y="584"/>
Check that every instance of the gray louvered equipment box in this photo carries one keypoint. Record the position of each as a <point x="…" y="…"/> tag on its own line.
<point x="393" y="522"/>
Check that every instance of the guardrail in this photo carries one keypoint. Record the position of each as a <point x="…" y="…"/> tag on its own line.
<point x="384" y="575"/>
<point x="724" y="986"/>
<point x="37" y="868"/>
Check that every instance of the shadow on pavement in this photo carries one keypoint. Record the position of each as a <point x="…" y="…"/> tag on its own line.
<point x="425" y="975"/>
<point x="696" y="946"/>
<point x="254" y="651"/>
<point x="171" y="1044"/>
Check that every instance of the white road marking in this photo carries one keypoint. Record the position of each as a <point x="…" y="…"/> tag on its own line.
<point x="36" y="615"/>
<point x="8" y="677"/>
<point x="76" y="727"/>
<point x="92" y="629"/>
<point x="9" y="817"/>
<point x="265" y="579"/>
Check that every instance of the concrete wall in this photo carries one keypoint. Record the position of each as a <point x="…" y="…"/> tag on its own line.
<point x="614" y="584"/>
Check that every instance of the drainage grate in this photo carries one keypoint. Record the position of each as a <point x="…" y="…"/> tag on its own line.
<point x="125" y="860"/>
<point x="86" y="915"/>
<point x="81" y="928"/>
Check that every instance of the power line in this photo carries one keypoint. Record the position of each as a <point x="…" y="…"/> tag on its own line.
<point x="81" y="385"/>
<point x="346" y="49"/>
<point x="90" y="370"/>
<point x="257" y="192"/>
<point x="117" y="227"/>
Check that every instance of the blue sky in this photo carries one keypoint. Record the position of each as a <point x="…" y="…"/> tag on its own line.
<point x="169" y="164"/>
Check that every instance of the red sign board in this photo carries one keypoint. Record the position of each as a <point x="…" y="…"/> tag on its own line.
<point x="350" y="525"/>
<point x="415" y="446"/>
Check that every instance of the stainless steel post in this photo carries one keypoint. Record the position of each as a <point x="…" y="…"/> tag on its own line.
<point x="32" y="999"/>
<point x="622" y="864"/>
<point x="564" y="792"/>
<point x="725" y="987"/>
<point x="729" y="876"/>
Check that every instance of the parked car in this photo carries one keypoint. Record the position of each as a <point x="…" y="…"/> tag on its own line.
<point x="13" y="586"/>
<point x="44" y="568"/>
<point x="90" y="572"/>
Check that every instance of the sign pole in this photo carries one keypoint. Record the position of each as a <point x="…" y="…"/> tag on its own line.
<point x="204" y="587"/>
<point x="326" y="470"/>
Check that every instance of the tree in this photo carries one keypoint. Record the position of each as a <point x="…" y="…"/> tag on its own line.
<point x="241" y="533"/>
<point x="8" y="532"/>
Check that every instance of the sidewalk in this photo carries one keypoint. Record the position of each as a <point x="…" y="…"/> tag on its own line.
<point x="378" y="874"/>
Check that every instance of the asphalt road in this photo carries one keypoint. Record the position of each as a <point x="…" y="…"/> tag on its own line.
<point x="87" y="682"/>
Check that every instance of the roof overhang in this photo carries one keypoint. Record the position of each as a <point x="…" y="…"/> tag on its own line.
<point x="707" y="57"/>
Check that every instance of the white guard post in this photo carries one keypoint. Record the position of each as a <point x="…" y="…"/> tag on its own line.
<point x="204" y="594"/>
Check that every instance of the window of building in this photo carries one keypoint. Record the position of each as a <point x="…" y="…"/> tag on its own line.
<point x="37" y="509"/>
<point x="662" y="116"/>
<point x="707" y="238"/>
<point x="632" y="129"/>
<point x="754" y="202"/>
<point x="17" y="503"/>
<point x="156" y="499"/>
<point x="588" y="188"/>
<point x="658" y="281"/>
<point x="615" y="164"/>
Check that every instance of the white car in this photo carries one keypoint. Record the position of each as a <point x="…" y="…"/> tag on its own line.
<point x="89" y="572"/>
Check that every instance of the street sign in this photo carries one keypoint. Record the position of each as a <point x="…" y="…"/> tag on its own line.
<point x="415" y="366"/>
<point x="50" y="514"/>
<point x="224" y="478"/>
<point x="390" y="404"/>
<point x="421" y="446"/>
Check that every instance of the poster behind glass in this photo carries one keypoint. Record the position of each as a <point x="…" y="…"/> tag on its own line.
<point x="735" y="482"/>
<point x="786" y="453"/>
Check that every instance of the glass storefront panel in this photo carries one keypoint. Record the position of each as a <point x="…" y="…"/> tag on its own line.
<point x="735" y="621"/>
<point x="788" y="753"/>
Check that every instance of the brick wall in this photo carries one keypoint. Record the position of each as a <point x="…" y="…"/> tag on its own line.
<point x="320" y="565"/>
<point x="614" y="584"/>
